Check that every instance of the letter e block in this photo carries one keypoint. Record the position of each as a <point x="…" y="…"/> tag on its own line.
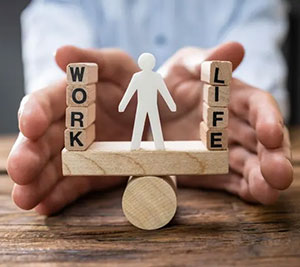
<point x="216" y="96"/>
<point x="80" y="117"/>
<point x="79" y="139"/>
<point x="216" y="72"/>
<point x="82" y="73"/>
<point x="81" y="96"/>
<point x="215" y="116"/>
<point x="213" y="138"/>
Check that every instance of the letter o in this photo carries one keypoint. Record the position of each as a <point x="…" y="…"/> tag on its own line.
<point x="75" y="97"/>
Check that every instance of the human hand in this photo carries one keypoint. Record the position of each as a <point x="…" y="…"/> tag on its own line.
<point x="259" y="146"/>
<point x="35" y="160"/>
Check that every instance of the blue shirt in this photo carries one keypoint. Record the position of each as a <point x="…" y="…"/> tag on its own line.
<point x="160" y="27"/>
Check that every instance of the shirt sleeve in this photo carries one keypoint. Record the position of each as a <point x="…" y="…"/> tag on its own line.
<point x="261" y="27"/>
<point x="47" y="25"/>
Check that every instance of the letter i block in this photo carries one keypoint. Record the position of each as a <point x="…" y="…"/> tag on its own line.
<point x="216" y="72"/>
<point x="214" y="138"/>
<point x="216" y="96"/>
<point x="82" y="73"/>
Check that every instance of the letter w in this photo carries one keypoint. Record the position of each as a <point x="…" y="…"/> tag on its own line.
<point x="77" y="74"/>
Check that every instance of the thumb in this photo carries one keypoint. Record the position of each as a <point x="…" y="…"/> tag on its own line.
<point x="231" y="51"/>
<point x="113" y="64"/>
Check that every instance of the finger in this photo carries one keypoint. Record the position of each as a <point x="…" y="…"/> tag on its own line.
<point x="260" y="109"/>
<point x="28" y="196"/>
<point x="231" y="51"/>
<point x="276" y="164"/>
<point x="238" y="156"/>
<point x="38" y="110"/>
<point x="27" y="158"/>
<point x="70" y="188"/>
<point x="241" y="132"/>
<point x="232" y="183"/>
<point x="113" y="64"/>
<point x="258" y="186"/>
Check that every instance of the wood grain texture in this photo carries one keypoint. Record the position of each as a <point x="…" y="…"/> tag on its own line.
<point x="84" y="95"/>
<point x="216" y="96"/>
<point x="216" y="72"/>
<point x="150" y="202"/>
<point x="213" y="138"/>
<point x="209" y="229"/>
<point x="82" y="73"/>
<point x="80" y="117"/>
<point x="116" y="158"/>
<point x="215" y="116"/>
<point x="79" y="139"/>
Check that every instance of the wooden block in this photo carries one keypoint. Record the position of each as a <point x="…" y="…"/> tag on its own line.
<point x="82" y="73"/>
<point x="216" y="96"/>
<point x="80" y="117"/>
<point x="216" y="72"/>
<point x="79" y="139"/>
<point x="150" y="202"/>
<point x="213" y="138"/>
<point x="81" y="96"/>
<point x="215" y="116"/>
<point x="116" y="158"/>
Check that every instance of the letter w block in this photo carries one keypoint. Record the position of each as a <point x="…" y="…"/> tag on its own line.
<point x="82" y="73"/>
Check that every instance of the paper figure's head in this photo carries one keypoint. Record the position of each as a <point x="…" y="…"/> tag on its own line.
<point x="146" y="61"/>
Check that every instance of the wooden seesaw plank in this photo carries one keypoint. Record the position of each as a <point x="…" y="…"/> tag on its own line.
<point x="116" y="158"/>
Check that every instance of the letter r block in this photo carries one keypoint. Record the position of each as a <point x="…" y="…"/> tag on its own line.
<point x="213" y="138"/>
<point x="80" y="95"/>
<point x="82" y="73"/>
<point x="80" y="117"/>
<point x="215" y="117"/>
<point x="216" y="72"/>
<point x="79" y="139"/>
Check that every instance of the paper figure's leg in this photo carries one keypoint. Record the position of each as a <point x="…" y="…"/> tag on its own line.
<point x="139" y="123"/>
<point x="156" y="129"/>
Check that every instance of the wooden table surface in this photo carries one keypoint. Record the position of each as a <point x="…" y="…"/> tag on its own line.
<point x="210" y="229"/>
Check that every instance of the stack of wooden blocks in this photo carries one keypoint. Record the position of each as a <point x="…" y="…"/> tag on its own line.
<point x="216" y="76"/>
<point x="81" y="110"/>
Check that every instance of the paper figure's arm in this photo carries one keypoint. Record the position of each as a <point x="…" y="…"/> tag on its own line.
<point x="128" y="94"/>
<point x="166" y="95"/>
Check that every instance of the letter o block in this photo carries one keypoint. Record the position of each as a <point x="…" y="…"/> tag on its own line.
<point x="81" y="96"/>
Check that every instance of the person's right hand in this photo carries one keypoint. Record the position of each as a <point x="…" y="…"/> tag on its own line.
<point x="35" y="160"/>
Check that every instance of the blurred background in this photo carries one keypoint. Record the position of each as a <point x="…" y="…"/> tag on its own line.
<point x="11" y="73"/>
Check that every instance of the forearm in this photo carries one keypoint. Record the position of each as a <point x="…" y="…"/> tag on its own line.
<point x="261" y="27"/>
<point x="47" y="26"/>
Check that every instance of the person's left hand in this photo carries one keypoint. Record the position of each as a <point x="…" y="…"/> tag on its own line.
<point x="259" y="147"/>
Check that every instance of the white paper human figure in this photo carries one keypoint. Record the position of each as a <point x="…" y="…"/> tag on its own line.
<point x="147" y="83"/>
